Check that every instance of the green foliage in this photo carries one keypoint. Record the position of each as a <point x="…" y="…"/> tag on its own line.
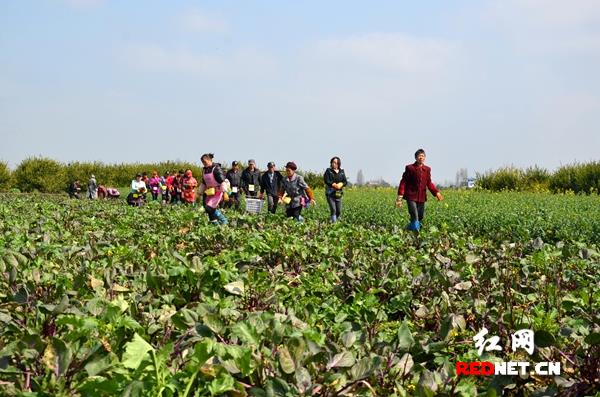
<point x="313" y="179"/>
<point x="536" y="179"/>
<point x="101" y="299"/>
<point x="40" y="174"/>
<point x="122" y="174"/>
<point x="5" y="176"/>
<point x="506" y="178"/>
<point x="50" y="176"/>
<point x="584" y="178"/>
<point x="577" y="178"/>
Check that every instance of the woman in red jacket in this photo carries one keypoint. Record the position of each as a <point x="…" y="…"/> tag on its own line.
<point x="413" y="188"/>
<point x="189" y="184"/>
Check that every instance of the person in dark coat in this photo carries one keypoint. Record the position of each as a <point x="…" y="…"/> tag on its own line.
<point x="416" y="179"/>
<point x="178" y="188"/>
<point x="270" y="182"/>
<point x="296" y="193"/>
<point x="234" y="176"/>
<point x="335" y="180"/>
<point x="74" y="189"/>
<point x="250" y="181"/>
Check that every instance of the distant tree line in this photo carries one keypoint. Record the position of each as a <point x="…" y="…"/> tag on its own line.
<point x="578" y="178"/>
<point x="50" y="176"/>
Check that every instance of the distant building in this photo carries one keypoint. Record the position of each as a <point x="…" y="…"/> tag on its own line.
<point x="470" y="183"/>
<point x="360" y="178"/>
<point x="378" y="183"/>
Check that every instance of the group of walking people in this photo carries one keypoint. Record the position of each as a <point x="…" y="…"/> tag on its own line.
<point x="218" y="189"/>
<point x="172" y="188"/>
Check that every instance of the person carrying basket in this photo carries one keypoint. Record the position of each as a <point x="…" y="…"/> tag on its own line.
<point x="234" y="177"/>
<point x="213" y="189"/>
<point x="137" y="193"/>
<point x="250" y="180"/>
<point x="335" y="180"/>
<point x="296" y="193"/>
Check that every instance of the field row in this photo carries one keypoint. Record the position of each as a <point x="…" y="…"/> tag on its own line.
<point x="100" y="299"/>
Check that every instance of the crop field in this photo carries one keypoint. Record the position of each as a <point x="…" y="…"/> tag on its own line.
<point x="102" y="299"/>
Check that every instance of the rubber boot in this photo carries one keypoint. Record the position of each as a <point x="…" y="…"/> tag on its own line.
<point x="333" y="219"/>
<point x="415" y="226"/>
<point x="220" y="217"/>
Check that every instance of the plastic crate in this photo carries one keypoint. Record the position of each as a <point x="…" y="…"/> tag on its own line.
<point x="253" y="205"/>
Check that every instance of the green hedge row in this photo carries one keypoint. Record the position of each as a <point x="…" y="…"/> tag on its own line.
<point x="578" y="178"/>
<point x="50" y="176"/>
<point x="5" y="176"/>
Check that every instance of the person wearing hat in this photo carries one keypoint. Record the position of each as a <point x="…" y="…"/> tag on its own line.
<point x="213" y="189"/>
<point x="270" y="182"/>
<point x="189" y="184"/>
<point x="296" y="193"/>
<point x="250" y="181"/>
<point x="138" y="189"/>
<point x="416" y="179"/>
<point x="92" y="188"/>
<point x="234" y="177"/>
<point x="335" y="180"/>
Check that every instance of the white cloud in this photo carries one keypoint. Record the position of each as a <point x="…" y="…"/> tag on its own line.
<point x="567" y="114"/>
<point x="550" y="14"/>
<point x="84" y="3"/>
<point x="155" y="57"/>
<point x="548" y="26"/>
<point x="373" y="74"/>
<point x="241" y="62"/>
<point x="390" y="51"/>
<point x="198" y="21"/>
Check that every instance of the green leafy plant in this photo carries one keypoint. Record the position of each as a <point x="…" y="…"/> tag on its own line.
<point x="101" y="299"/>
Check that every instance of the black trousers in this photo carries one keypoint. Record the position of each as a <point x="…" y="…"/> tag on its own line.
<point x="211" y="212"/>
<point x="272" y="200"/>
<point x="293" y="212"/>
<point x="335" y="205"/>
<point x="234" y="201"/>
<point x="416" y="210"/>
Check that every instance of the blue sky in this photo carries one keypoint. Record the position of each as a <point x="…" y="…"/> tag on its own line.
<point x="478" y="84"/>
